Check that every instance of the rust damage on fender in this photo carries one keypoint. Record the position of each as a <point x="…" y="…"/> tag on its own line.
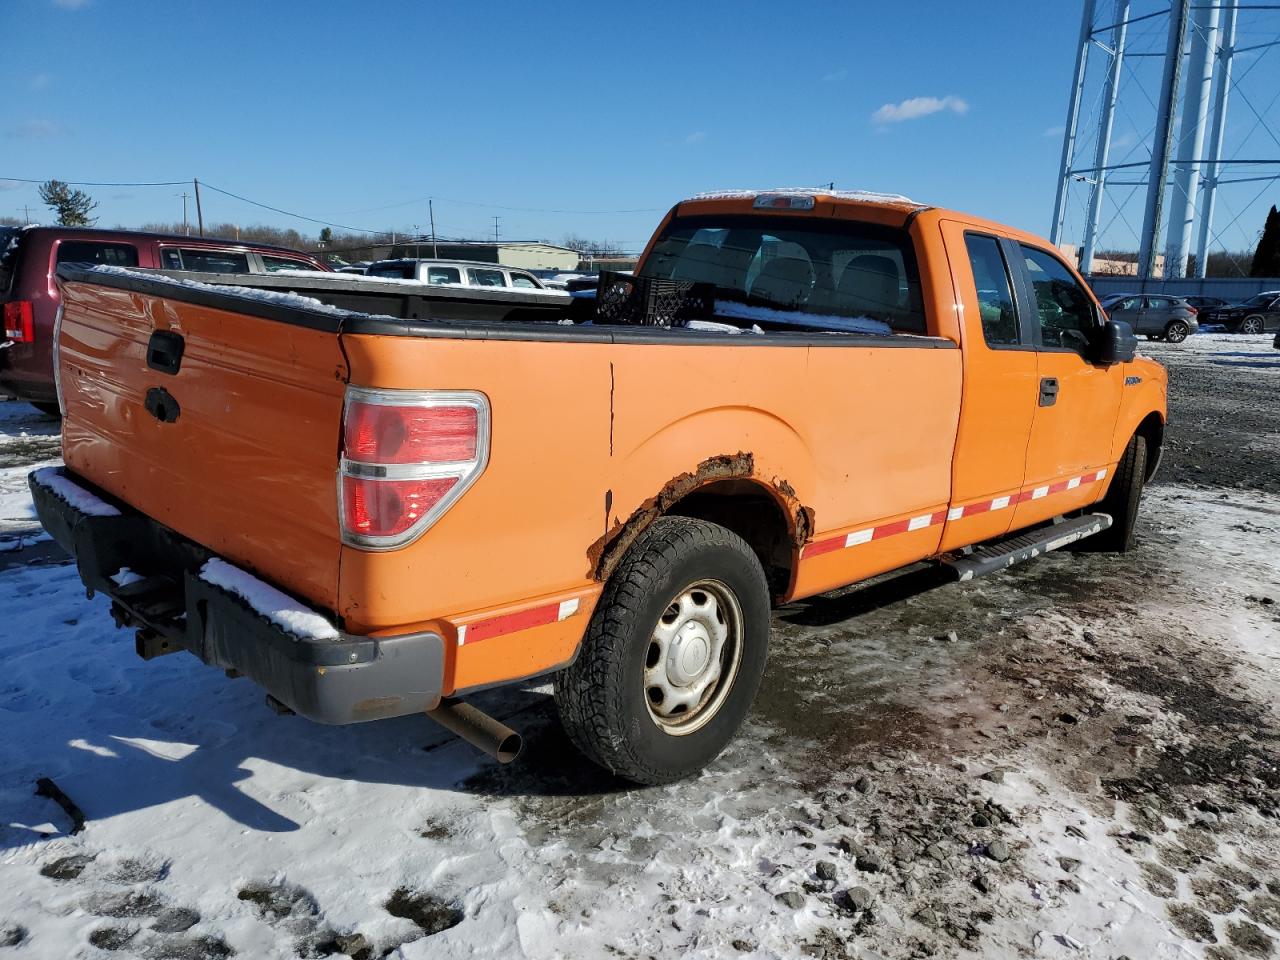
<point x="605" y="553"/>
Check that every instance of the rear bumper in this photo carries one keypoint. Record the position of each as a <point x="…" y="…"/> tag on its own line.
<point x="26" y="371"/>
<point x="347" y="679"/>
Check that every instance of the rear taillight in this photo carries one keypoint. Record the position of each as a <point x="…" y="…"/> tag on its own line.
<point x="1194" y="310"/>
<point x="407" y="456"/>
<point x="19" y="321"/>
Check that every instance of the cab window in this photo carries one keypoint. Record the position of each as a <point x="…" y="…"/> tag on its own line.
<point x="272" y="264"/>
<point x="486" y="278"/>
<point x="214" y="261"/>
<point x="995" y="293"/>
<point x="523" y="280"/>
<point x="1064" y="310"/>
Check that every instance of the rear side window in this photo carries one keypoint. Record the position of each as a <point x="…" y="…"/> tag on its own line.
<point x="523" y="280"/>
<point x="1063" y="308"/>
<point x="96" y="252"/>
<point x="214" y="261"/>
<point x="995" y="293"/>
<point x="272" y="264"/>
<point x="402" y="271"/>
<point x="486" y="278"/>
<point x="1160" y="303"/>
<point x="444" y="275"/>
<point x="10" y="238"/>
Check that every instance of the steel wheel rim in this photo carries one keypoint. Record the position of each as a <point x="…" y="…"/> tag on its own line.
<point x="692" y="658"/>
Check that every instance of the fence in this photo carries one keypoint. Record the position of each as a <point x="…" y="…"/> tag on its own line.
<point x="1231" y="289"/>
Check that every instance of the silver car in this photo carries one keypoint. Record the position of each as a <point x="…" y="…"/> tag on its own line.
<point x="1157" y="317"/>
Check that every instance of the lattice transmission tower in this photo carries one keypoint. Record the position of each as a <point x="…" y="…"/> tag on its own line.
<point x="1209" y="55"/>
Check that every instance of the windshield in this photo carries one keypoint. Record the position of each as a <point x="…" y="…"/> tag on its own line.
<point x="842" y="269"/>
<point x="9" y="237"/>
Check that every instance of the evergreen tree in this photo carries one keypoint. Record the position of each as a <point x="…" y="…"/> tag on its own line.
<point x="1266" y="259"/>
<point x="72" y="206"/>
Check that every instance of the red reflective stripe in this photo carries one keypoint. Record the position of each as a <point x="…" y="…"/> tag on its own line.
<point x="889" y="529"/>
<point x="820" y="547"/>
<point x="512" y="622"/>
<point x="881" y="531"/>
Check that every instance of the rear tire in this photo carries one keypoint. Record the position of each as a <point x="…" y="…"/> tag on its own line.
<point x="1176" y="331"/>
<point x="48" y="409"/>
<point x="1122" y="500"/>
<point x="687" y="610"/>
<point x="1252" y="326"/>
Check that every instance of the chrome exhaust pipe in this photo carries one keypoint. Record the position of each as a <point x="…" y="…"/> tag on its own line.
<point x="479" y="729"/>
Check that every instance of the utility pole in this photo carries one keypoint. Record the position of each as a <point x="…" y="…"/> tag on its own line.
<point x="199" y="210"/>
<point x="1213" y="166"/>
<point x="26" y="214"/>
<point x="1073" y="117"/>
<point x="431" y="209"/>
<point x="1158" y="178"/>
<point x="1105" y="123"/>
<point x="495" y="229"/>
<point x="1195" y="115"/>
<point x="185" y="227"/>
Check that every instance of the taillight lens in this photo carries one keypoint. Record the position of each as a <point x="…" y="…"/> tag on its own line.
<point x="407" y="457"/>
<point x="19" y="321"/>
<point x="380" y="433"/>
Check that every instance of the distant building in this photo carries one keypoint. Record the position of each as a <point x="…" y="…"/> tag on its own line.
<point x="528" y="254"/>
<point x="1111" y="268"/>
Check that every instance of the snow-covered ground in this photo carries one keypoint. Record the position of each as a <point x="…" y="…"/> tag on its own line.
<point x="1076" y="758"/>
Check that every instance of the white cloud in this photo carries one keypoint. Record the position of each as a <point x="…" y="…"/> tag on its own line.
<point x="72" y="4"/>
<point x="11" y="185"/>
<point x="35" y="130"/>
<point x="696" y="137"/>
<point x="917" y="107"/>
<point x="835" y="76"/>
<point x="1057" y="131"/>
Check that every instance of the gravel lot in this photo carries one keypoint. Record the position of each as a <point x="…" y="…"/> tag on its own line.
<point x="1077" y="758"/>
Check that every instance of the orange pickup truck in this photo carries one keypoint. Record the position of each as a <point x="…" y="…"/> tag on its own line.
<point x="798" y="390"/>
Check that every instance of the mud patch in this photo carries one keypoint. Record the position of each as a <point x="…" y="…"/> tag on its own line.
<point x="431" y="914"/>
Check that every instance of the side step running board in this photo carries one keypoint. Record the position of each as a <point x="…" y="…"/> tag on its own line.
<point x="1005" y="553"/>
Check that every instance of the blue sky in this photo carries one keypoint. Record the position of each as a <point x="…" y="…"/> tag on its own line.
<point x="333" y="109"/>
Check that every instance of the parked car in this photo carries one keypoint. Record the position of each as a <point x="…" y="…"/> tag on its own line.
<point x="463" y="273"/>
<point x="1155" y="317"/>
<point x="352" y="268"/>
<point x="30" y="256"/>
<point x="616" y="506"/>
<point x="1258" y="314"/>
<point x="1205" y="303"/>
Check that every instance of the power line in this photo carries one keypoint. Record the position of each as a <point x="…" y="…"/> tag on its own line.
<point x="103" y="183"/>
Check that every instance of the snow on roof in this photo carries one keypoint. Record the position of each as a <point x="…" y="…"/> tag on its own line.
<point x="865" y="196"/>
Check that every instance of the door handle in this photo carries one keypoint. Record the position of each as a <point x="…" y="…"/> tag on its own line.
<point x="1048" y="391"/>
<point x="164" y="351"/>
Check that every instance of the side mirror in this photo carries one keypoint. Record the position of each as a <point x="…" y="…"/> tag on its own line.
<point x="1114" y="343"/>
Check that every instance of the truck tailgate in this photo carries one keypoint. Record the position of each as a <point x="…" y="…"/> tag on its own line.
<point x="239" y="449"/>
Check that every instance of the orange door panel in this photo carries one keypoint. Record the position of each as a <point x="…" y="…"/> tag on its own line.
<point x="1077" y="401"/>
<point x="1000" y="386"/>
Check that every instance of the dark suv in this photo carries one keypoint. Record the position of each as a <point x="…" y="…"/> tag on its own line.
<point x="29" y="257"/>
<point x="1259" y="314"/>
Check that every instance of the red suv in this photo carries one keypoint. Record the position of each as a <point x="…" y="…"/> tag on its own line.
<point x="30" y="256"/>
